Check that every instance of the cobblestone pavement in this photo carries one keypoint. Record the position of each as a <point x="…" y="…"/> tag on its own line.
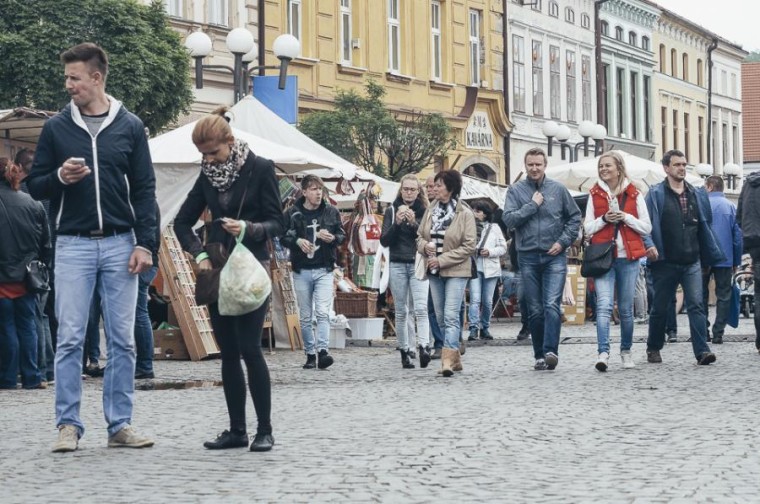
<point x="368" y="431"/>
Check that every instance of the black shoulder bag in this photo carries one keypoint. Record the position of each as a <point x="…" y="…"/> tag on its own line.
<point x="37" y="278"/>
<point x="598" y="257"/>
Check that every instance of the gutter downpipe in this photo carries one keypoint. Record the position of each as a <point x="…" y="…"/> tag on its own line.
<point x="505" y="91"/>
<point x="262" y="29"/>
<point x="601" y="106"/>
<point x="713" y="45"/>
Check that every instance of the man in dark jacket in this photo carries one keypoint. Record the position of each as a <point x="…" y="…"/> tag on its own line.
<point x="313" y="234"/>
<point x="93" y="164"/>
<point x="684" y="211"/>
<point x="748" y="218"/>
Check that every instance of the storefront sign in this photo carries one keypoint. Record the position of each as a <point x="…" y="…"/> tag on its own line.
<point x="479" y="134"/>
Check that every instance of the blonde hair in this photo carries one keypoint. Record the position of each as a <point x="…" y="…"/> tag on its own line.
<point x="421" y="196"/>
<point x="214" y="127"/>
<point x="620" y="164"/>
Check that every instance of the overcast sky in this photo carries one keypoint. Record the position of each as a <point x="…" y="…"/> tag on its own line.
<point x="734" y="20"/>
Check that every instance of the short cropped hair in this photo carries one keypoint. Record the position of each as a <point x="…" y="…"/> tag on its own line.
<point x="90" y="54"/>
<point x="715" y="183"/>
<point x="671" y="153"/>
<point x="452" y="179"/>
<point x="536" y="151"/>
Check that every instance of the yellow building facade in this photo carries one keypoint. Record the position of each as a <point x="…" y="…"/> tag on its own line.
<point x="442" y="56"/>
<point x="680" y="85"/>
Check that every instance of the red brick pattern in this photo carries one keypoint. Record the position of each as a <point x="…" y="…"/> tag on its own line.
<point x="751" y="111"/>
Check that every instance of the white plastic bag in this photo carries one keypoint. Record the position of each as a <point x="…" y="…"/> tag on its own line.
<point x="244" y="284"/>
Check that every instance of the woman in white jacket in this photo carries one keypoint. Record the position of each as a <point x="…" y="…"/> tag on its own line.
<point x="491" y="246"/>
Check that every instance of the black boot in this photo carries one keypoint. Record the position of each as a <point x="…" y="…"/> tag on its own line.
<point x="424" y="356"/>
<point x="485" y="335"/>
<point x="406" y="362"/>
<point x="324" y="359"/>
<point x="311" y="361"/>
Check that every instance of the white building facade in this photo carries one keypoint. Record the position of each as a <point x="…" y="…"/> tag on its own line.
<point x="551" y="72"/>
<point x="628" y="63"/>
<point x="726" y="105"/>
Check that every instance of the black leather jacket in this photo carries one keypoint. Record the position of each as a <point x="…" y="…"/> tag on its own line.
<point x="25" y="232"/>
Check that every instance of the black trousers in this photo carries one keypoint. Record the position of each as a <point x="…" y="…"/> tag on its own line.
<point x="240" y="336"/>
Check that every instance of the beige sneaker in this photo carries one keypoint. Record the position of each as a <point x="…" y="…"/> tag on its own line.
<point x="68" y="439"/>
<point x="129" y="438"/>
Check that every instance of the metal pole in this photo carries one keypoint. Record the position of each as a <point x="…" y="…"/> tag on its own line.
<point x="237" y="77"/>
<point x="710" y="49"/>
<point x="199" y="72"/>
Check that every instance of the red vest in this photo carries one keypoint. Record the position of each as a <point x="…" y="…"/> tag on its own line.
<point x="632" y="241"/>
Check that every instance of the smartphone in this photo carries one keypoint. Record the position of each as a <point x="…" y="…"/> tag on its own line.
<point x="614" y="206"/>
<point x="77" y="160"/>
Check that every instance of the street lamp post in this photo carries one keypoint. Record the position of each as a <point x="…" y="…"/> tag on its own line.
<point x="704" y="170"/>
<point x="731" y="171"/>
<point x="561" y="132"/>
<point x="242" y="46"/>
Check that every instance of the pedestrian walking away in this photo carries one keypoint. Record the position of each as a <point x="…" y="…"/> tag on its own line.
<point x="618" y="212"/>
<point x="681" y="216"/>
<point x="546" y="221"/>
<point x="93" y="163"/>
<point x="748" y="218"/>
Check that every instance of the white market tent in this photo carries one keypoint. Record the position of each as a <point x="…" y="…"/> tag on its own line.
<point x="582" y="175"/>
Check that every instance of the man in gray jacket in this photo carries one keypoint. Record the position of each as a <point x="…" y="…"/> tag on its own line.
<point x="748" y="218"/>
<point x="546" y="221"/>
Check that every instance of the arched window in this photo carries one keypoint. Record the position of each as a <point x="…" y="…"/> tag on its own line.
<point x="685" y="69"/>
<point x="605" y="28"/>
<point x="633" y="39"/>
<point x="569" y="15"/>
<point x="645" y="43"/>
<point x="554" y="9"/>
<point x="585" y="21"/>
<point x="537" y="5"/>
<point x="619" y="33"/>
<point x="662" y="58"/>
<point x="674" y="63"/>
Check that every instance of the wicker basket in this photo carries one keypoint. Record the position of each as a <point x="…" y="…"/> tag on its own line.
<point x="356" y="304"/>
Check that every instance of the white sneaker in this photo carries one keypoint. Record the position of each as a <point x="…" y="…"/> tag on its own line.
<point x="627" y="359"/>
<point x="601" y="362"/>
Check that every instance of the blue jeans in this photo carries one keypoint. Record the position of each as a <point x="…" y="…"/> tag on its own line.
<point x="666" y="277"/>
<point x="314" y="293"/>
<point x="18" y="342"/>
<point x="481" y="301"/>
<point x="82" y="266"/>
<point x="143" y="328"/>
<point x="403" y="282"/>
<point x="543" y="279"/>
<point x="620" y="279"/>
<point x="435" y="330"/>
<point x="92" y="335"/>
<point x="45" y="352"/>
<point x="448" y="295"/>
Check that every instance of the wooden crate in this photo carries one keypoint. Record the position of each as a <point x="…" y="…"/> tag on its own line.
<point x="193" y="320"/>
<point x="356" y="304"/>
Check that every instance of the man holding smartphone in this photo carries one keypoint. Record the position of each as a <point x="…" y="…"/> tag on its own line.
<point x="93" y="164"/>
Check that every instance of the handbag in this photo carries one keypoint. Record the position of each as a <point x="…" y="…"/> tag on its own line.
<point x="37" y="277"/>
<point x="598" y="257"/>
<point x="420" y="267"/>
<point x="207" y="281"/>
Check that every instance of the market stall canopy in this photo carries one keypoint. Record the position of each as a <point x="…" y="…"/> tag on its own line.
<point x="254" y="117"/>
<point x="176" y="161"/>
<point x="582" y="175"/>
<point x="23" y="124"/>
<point x="474" y="188"/>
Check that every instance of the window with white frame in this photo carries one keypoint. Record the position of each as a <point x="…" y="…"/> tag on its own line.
<point x="294" y="18"/>
<point x="394" y="36"/>
<point x="173" y="7"/>
<point x="518" y="73"/>
<point x="619" y="33"/>
<point x="475" y="47"/>
<point x="585" y="21"/>
<point x="218" y="14"/>
<point x="570" y="88"/>
<point x="536" y="5"/>
<point x="554" y="9"/>
<point x="345" y="31"/>
<point x="538" y="78"/>
<point x="633" y="39"/>
<point x="605" y="28"/>
<point x="586" y="86"/>
<point x="645" y="44"/>
<point x="554" y="93"/>
<point x="569" y="15"/>
<point x="435" y="39"/>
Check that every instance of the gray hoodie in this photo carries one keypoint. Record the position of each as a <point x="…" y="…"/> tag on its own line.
<point x="538" y="227"/>
<point x="748" y="211"/>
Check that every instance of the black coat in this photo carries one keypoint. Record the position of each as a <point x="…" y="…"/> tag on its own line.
<point x="25" y="232"/>
<point x="262" y="209"/>
<point x="401" y="238"/>
<point x="296" y="228"/>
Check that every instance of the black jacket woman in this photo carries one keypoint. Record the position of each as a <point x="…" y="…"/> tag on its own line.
<point x="26" y="237"/>
<point x="240" y="190"/>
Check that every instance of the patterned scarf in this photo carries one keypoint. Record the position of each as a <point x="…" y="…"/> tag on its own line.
<point x="223" y="175"/>
<point x="442" y="215"/>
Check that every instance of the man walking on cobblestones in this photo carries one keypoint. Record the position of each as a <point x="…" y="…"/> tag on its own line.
<point x="680" y="215"/>
<point x="546" y="221"/>
<point x="93" y="163"/>
<point x="748" y="218"/>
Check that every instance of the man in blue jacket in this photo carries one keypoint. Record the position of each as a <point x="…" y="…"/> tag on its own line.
<point x="729" y="236"/>
<point x="93" y="164"/>
<point x="680" y="215"/>
<point x="546" y="221"/>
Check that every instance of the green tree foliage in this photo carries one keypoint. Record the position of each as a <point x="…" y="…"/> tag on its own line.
<point x="362" y="130"/>
<point x="149" y="69"/>
<point x="753" y="56"/>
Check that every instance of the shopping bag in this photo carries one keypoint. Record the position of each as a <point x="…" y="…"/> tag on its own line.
<point x="734" y="307"/>
<point x="244" y="284"/>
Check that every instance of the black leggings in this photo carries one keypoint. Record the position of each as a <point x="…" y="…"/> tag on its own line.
<point x="241" y="336"/>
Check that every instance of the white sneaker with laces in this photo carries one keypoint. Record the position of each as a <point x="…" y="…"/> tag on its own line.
<point x="627" y="359"/>
<point x="601" y="362"/>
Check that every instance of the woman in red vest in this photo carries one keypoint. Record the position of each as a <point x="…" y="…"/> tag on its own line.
<point x="616" y="211"/>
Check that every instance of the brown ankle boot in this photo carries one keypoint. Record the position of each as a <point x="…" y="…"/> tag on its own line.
<point x="447" y="358"/>
<point x="456" y="363"/>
